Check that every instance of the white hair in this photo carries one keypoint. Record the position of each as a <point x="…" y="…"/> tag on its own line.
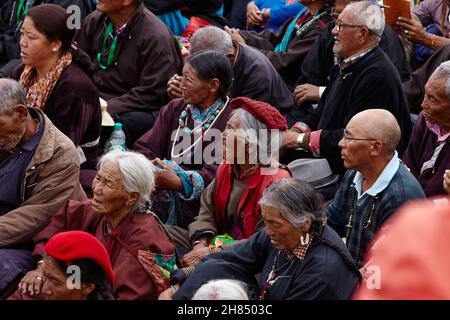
<point x="211" y="38"/>
<point x="370" y="15"/>
<point x="223" y="289"/>
<point x="138" y="174"/>
<point x="11" y="93"/>
<point x="444" y="71"/>
<point x="254" y="130"/>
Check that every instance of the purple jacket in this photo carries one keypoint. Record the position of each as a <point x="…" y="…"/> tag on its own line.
<point x="420" y="149"/>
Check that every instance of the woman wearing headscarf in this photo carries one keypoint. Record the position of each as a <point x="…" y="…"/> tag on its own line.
<point x="184" y="129"/>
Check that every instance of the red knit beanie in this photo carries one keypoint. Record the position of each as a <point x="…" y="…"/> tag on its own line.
<point x="262" y="111"/>
<point x="73" y="245"/>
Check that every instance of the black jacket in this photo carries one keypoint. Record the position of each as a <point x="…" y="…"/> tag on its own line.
<point x="327" y="272"/>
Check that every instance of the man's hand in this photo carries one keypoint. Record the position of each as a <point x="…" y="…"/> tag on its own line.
<point x="413" y="31"/>
<point x="174" y="87"/>
<point x="234" y="33"/>
<point x="289" y="139"/>
<point x="166" y="178"/>
<point x="306" y="92"/>
<point x="32" y="283"/>
<point x="195" y="256"/>
<point x="447" y="181"/>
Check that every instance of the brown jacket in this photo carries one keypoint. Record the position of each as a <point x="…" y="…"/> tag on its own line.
<point x="51" y="178"/>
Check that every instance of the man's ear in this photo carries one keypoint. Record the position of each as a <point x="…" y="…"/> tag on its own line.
<point x="231" y="56"/>
<point x="20" y="113"/>
<point x="376" y="148"/>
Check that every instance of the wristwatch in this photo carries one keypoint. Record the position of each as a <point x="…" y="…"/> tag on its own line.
<point x="300" y="139"/>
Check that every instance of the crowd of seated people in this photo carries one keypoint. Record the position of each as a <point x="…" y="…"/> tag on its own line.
<point x="273" y="149"/>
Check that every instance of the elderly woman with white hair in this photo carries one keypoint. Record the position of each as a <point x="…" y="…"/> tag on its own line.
<point x="297" y="256"/>
<point x="222" y="289"/>
<point x="119" y="218"/>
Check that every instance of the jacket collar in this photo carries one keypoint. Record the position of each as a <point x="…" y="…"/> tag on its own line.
<point x="46" y="146"/>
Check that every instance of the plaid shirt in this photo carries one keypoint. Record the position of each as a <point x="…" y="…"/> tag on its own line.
<point x="299" y="252"/>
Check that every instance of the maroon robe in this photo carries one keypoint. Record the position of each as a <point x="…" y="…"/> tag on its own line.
<point x="137" y="231"/>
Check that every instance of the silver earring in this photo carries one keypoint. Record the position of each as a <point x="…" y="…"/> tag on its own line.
<point x="304" y="240"/>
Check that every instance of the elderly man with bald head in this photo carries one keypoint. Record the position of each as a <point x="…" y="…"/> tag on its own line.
<point x="376" y="182"/>
<point x="428" y="153"/>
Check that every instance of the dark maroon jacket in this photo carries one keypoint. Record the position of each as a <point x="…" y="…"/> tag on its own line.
<point x="74" y="108"/>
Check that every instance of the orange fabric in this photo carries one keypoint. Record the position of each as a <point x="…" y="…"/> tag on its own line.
<point x="412" y="253"/>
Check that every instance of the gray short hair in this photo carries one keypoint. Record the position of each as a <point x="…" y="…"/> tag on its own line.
<point x="253" y="130"/>
<point x="211" y="38"/>
<point x="138" y="174"/>
<point x="444" y="71"/>
<point x="296" y="201"/>
<point x="370" y="15"/>
<point x="11" y="93"/>
<point x="222" y="289"/>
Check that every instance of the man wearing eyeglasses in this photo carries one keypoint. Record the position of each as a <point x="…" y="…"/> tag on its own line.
<point x="364" y="78"/>
<point x="317" y="66"/>
<point x="376" y="182"/>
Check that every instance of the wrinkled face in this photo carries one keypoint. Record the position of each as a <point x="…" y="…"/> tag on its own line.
<point x="345" y="39"/>
<point x="282" y="233"/>
<point x="35" y="49"/>
<point x="108" y="6"/>
<point x="435" y="105"/>
<point x="195" y="90"/>
<point x="11" y="132"/>
<point x="355" y="153"/>
<point x="233" y="143"/>
<point x="110" y="196"/>
<point x="56" y="286"/>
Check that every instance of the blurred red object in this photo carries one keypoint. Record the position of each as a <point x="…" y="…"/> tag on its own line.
<point x="411" y="253"/>
<point x="195" y="23"/>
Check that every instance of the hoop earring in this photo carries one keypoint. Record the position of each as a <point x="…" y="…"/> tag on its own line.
<point x="304" y="240"/>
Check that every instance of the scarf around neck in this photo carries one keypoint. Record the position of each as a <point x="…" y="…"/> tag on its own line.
<point x="38" y="92"/>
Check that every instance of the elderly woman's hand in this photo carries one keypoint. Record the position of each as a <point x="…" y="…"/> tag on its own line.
<point x="447" y="181"/>
<point x="306" y="92"/>
<point x="166" y="178"/>
<point x="174" y="87"/>
<point x="413" y="30"/>
<point x="169" y="292"/>
<point x="195" y="256"/>
<point x="31" y="284"/>
<point x="234" y="33"/>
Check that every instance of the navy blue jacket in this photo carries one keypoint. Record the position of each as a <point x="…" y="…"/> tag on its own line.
<point x="403" y="187"/>
<point x="323" y="274"/>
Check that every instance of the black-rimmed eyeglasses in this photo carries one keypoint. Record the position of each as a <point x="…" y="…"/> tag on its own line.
<point x="340" y="25"/>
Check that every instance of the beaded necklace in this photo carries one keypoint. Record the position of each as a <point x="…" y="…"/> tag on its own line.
<point x="367" y="219"/>
<point x="303" y="28"/>
<point x="209" y="118"/>
<point x="272" y="276"/>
